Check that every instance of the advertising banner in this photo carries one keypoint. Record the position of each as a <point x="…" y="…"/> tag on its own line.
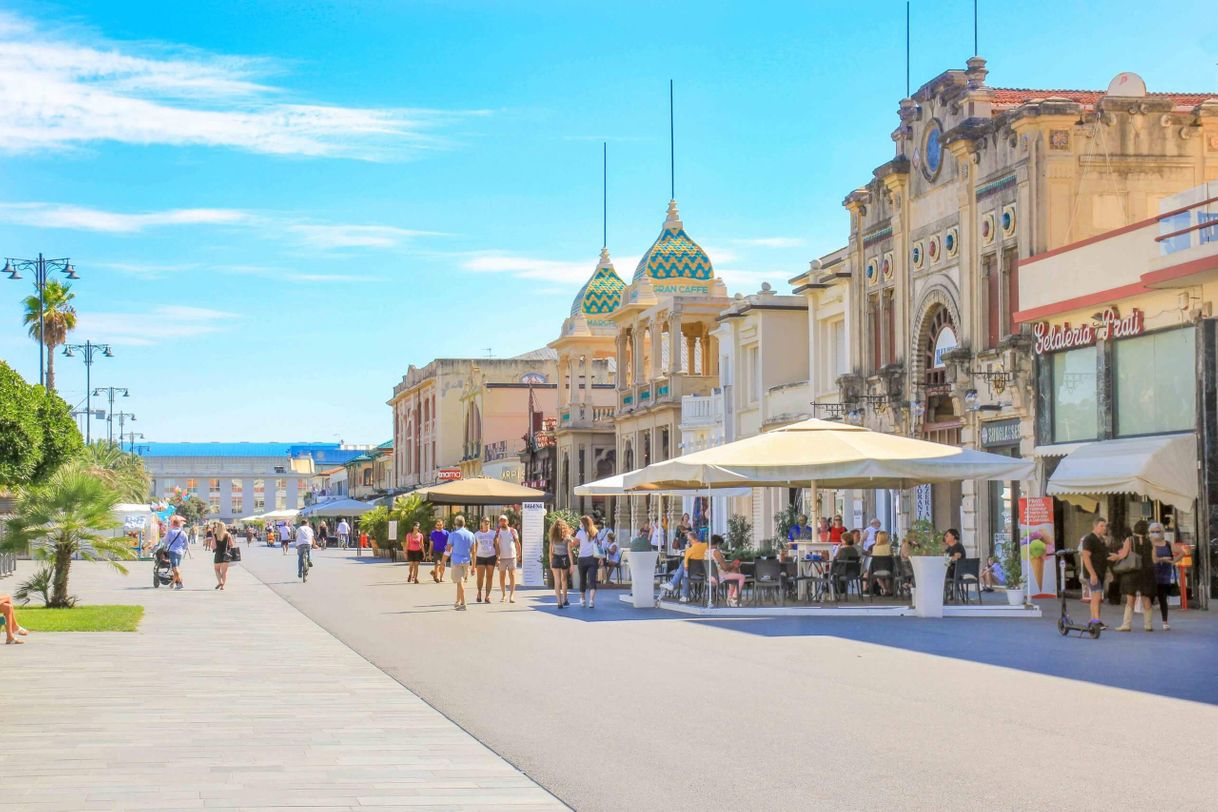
<point x="1036" y="545"/>
<point x="393" y="530"/>
<point x="532" y="530"/>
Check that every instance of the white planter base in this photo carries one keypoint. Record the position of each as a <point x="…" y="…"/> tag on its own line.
<point x="642" y="587"/>
<point x="930" y="573"/>
<point x="1015" y="597"/>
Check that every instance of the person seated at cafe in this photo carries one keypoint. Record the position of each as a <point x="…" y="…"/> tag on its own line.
<point x="695" y="550"/>
<point x="727" y="572"/>
<point x="992" y="574"/>
<point x="882" y="561"/>
<point x="869" y="534"/>
<point x="846" y="552"/>
<point x="800" y="531"/>
<point x="954" y="550"/>
<point x="836" y="530"/>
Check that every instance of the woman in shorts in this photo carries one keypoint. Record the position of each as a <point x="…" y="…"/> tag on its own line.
<point x="414" y="553"/>
<point x="560" y="560"/>
<point x="484" y="560"/>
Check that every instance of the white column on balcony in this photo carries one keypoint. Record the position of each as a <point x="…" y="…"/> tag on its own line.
<point x="636" y="359"/>
<point x="293" y="495"/>
<point x="571" y="379"/>
<point x="674" y="342"/>
<point x="247" y="497"/>
<point x="226" y="497"/>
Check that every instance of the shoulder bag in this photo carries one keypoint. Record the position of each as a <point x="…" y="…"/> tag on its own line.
<point x="1128" y="564"/>
<point x="233" y="553"/>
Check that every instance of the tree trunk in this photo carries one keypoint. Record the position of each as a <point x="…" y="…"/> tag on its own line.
<point x="50" y="369"/>
<point x="59" y="581"/>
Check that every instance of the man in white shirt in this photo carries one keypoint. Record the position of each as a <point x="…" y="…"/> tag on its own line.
<point x="285" y="537"/>
<point x="344" y="533"/>
<point x="304" y="543"/>
<point x="869" y="535"/>
<point x="507" y="548"/>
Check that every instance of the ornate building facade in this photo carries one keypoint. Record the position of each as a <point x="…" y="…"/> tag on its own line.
<point x="982" y="178"/>
<point x="664" y="350"/>
<point x="586" y="449"/>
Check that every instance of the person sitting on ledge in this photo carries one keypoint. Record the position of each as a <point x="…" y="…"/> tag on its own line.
<point x="8" y="618"/>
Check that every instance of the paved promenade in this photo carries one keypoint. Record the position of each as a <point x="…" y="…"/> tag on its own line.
<point x="226" y="700"/>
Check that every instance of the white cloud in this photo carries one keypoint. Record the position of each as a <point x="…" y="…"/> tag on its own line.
<point x="59" y="91"/>
<point x="566" y="272"/>
<point x="720" y="255"/>
<point x="356" y="236"/>
<point x="82" y="218"/>
<point x="770" y="242"/>
<point x="153" y="326"/>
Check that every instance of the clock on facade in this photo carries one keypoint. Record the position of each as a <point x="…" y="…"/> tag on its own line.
<point x="932" y="151"/>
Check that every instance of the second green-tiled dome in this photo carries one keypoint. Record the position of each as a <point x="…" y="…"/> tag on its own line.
<point x="674" y="255"/>
<point x="601" y="294"/>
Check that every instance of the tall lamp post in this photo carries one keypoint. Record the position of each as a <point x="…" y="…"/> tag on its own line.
<point x="122" y="416"/>
<point x="131" y="435"/>
<point x="111" y="391"/>
<point x="89" y="350"/>
<point x="40" y="267"/>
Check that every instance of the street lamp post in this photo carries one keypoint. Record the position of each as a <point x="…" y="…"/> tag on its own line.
<point x="131" y="435"/>
<point x="122" y="416"/>
<point x="111" y="391"/>
<point x="89" y="351"/>
<point x="40" y="268"/>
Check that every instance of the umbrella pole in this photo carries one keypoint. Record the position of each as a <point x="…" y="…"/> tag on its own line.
<point x="710" y="558"/>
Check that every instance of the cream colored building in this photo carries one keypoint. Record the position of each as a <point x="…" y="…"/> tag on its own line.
<point x="496" y="400"/>
<point x="584" y="435"/>
<point x="983" y="177"/>
<point x="1126" y="347"/>
<point x="664" y="351"/>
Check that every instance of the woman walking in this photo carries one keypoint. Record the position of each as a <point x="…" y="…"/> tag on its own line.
<point x="209" y="540"/>
<point x="249" y="536"/>
<point x="589" y="557"/>
<point x="221" y="541"/>
<point x="485" y="561"/>
<point x="414" y="553"/>
<point x="560" y="560"/>
<point x="1166" y="558"/>
<point x="1141" y="579"/>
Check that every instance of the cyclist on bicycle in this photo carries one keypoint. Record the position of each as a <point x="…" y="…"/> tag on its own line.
<point x="304" y="543"/>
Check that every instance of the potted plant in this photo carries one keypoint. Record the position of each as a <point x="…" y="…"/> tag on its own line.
<point x="1012" y="568"/>
<point x="929" y="566"/>
<point x="642" y="561"/>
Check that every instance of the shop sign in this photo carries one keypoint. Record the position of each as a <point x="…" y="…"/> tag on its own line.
<point x="1000" y="433"/>
<point x="944" y="342"/>
<point x="532" y="528"/>
<point x="494" y="451"/>
<point x="1036" y="545"/>
<point x="448" y="474"/>
<point x="1111" y="325"/>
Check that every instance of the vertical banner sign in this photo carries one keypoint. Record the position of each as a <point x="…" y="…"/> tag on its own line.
<point x="393" y="530"/>
<point x="532" y="529"/>
<point x="1036" y="545"/>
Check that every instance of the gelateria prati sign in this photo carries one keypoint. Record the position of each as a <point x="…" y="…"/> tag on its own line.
<point x="1110" y="324"/>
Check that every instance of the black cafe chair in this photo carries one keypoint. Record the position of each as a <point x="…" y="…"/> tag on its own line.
<point x="768" y="580"/>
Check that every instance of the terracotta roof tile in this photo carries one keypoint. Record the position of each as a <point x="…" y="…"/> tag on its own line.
<point x="1013" y="96"/>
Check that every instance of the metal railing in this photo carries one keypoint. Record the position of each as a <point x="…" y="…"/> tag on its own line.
<point x="8" y="564"/>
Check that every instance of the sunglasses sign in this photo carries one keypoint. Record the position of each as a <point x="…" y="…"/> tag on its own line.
<point x="1109" y="325"/>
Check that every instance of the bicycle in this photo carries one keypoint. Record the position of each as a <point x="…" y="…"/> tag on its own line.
<point x="304" y="566"/>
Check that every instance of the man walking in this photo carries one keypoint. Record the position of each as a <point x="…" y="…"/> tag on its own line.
<point x="304" y="543"/>
<point x="176" y="542"/>
<point x="285" y="536"/>
<point x="1094" y="554"/>
<point x="344" y="534"/>
<point x="460" y="544"/>
<point x="507" y="548"/>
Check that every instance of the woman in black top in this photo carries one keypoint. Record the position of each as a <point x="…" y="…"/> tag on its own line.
<point x="1140" y="581"/>
<point x="222" y="542"/>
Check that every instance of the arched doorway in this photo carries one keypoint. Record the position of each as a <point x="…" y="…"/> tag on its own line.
<point x="941" y="419"/>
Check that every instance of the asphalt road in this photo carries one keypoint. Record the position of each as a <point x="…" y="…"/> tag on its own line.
<point x="617" y="708"/>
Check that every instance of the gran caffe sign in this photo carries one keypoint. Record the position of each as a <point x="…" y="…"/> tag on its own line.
<point x="1108" y="325"/>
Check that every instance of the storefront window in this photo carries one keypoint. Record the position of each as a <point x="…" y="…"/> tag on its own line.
<point x="1075" y="404"/>
<point x="1156" y="383"/>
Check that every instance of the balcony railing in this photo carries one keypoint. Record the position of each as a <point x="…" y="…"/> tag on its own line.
<point x="701" y="410"/>
<point x="1189" y="219"/>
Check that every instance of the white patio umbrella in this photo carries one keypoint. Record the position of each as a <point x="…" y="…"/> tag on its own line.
<point x="615" y="486"/>
<point x="339" y="507"/>
<point x="825" y="453"/>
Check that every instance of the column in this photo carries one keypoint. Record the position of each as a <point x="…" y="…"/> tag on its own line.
<point x="657" y="350"/>
<point x="226" y="498"/>
<point x="674" y="343"/>
<point x="247" y="497"/>
<point x="636" y="359"/>
<point x="572" y="380"/>
<point x="293" y="496"/>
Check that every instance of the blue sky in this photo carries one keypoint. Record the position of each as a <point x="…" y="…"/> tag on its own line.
<point x="275" y="206"/>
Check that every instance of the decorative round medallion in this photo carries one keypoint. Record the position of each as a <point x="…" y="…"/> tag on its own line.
<point x="871" y="271"/>
<point x="951" y="241"/>
<point x="886" y="267"/>
<point x="918" y="256"/>
<point x="987" y="228"/>
<point x="932" y="150"/>
<point x="932" y="248"/>
<point x="1008" y="220"/>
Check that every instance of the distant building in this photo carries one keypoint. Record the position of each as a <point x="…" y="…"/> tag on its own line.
<point x="240" y="479"/>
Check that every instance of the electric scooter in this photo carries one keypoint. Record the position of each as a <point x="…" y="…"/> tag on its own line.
<point x="1065" y="624"/>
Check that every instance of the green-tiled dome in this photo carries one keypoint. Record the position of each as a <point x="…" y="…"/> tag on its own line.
<point x="601" y="294"/>
<point x="674" y="255"/>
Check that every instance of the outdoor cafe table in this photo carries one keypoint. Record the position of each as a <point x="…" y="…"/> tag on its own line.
<point x="808" y="566"/>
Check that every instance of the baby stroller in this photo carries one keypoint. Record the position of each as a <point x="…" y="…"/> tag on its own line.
<point x="162" y="570"/>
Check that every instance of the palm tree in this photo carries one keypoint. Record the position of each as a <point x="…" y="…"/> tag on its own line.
<point x="62" y="519"/>
<point x="121" y="471"/>
<point x="58" y="319"/>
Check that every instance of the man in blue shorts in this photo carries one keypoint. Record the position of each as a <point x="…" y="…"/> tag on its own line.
<point x="460" y="544"/>
<point x="439" y="543"/>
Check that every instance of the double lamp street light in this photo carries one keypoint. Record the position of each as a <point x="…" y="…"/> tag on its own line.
<point x="88" y="351"/>
<point x="40" y="268"/>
